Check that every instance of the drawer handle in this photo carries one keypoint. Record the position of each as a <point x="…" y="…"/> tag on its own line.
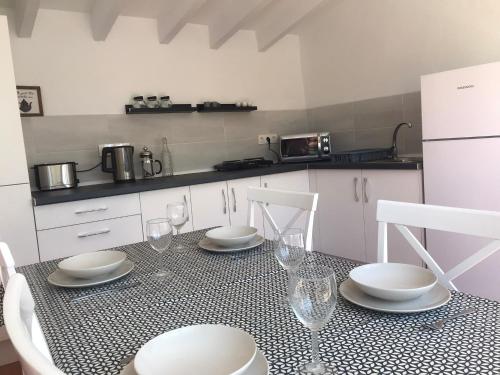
<point x="79" y="212"/>
<point x="96" y="233"/>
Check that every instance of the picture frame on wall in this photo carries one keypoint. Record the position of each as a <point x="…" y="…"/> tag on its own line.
<point x="29" y="99"/>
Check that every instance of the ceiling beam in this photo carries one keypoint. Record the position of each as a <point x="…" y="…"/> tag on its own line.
<point x="26" y="12"/>
<point x="174" y="18"/>
<point x="281" y="18"/>
<point x="103" y="16"/>
<point x="235" y="14"/>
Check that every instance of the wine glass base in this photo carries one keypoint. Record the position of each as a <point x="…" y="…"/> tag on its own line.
<point x="283" y="300"/>
<point x="315" y="369"/>
<point x="163" y="274"/>
<point x="180" y="249"/>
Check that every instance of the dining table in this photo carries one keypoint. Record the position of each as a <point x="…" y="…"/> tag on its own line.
<point x="96" y="335"/>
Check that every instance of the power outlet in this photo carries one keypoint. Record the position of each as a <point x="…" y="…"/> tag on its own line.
<point x="262" y="138"/>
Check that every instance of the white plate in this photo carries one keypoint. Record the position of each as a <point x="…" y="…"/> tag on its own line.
<point x="436" y="297"/>
<point x="232" y="236"/>
<point x="210" y="246"/>
<point x="259" y="366"/>
<point x="59" y="278"/>
<point x="207" y="349"/>
<point x="89" y="265"/>
<point x="393" y="281"/>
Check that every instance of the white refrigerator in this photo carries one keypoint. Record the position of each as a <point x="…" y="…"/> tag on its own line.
<point x="17" y="226"/>
<point x="461" y="147"/>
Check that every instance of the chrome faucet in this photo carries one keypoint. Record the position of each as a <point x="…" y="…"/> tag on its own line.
<point x="395" y="138"/>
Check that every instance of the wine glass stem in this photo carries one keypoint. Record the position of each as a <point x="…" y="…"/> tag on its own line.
<point x="315" y="348"/>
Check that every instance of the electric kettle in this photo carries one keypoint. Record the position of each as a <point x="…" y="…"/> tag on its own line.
<point x="122" y="162"/>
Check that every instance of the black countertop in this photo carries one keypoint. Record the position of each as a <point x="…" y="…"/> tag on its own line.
<point x="41" y="198"/>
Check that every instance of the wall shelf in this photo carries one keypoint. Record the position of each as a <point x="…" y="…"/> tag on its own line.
<point x="176" y="108"/>
<point x="225" y="108"/>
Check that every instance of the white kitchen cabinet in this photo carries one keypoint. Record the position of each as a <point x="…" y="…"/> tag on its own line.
<point x="238" y="202"/>
<point x="347" y="208"/>
<point x="340" y="213"/>
<point x="81" y="238"/>
<point x="13" y="164"/>
<point x="17" y="226"/>
<point x="394" y="185"/>
<point x="294" y="181"/>
<point x="154" y="205"/>
<point x="210" y="205"/>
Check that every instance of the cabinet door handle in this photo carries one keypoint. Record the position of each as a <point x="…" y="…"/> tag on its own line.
<point x="365" y="183"/>
<point x="79" y="212"/>
<point x="186" y="203"/>
<point x="234" y="199"/>
<point x="96" y="233"/>
<point x="224" y="203"/>
<point x="356" y="196"/>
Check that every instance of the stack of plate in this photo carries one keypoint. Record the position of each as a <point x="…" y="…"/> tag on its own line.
<point x="201" y="349"/>
<point x="91" y="269"/>
<point x="394" y="287"/>
<point x="231" y="239"/>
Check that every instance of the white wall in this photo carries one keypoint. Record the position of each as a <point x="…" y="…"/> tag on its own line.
<point x="360" y="49"/>
<point x="80" y="76"/>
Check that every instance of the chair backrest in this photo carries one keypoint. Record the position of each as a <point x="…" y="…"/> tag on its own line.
<point x="305" y="203"/>
<point x="23" y="329"/>
<point x="7" y="266"/>
<point x="449" y="219"/>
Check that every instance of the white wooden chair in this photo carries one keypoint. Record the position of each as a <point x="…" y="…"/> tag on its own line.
<point x="7" y="269"/>
<point x="478" y="223"/>
<point x="305" y="203"/>
<point x="23" y="329"/>
<point x="7" y="265"/>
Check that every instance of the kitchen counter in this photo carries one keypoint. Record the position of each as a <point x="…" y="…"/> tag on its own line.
<point x="110" y="189"/>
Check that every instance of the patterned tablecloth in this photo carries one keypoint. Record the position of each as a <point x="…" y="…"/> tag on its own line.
<point x="94" y="335"/>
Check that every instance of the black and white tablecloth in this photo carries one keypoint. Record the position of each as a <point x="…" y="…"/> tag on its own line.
<point x="94" y="335"/>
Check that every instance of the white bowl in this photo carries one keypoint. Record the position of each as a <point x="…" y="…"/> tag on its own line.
<point x="231" y="236"/>
<point x="89" y="265"/>
<point x="194" y="350"/>
<point x="393" y="281"/>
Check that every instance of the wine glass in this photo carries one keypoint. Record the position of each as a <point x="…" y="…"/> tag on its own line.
<point x="289" y="250"/>
<point x="159" y="232"/>
<point x="178" y="214"/>
<point x="313" y="296"/>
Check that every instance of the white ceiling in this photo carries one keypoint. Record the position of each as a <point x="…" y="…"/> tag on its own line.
<point x="269" y="19"/>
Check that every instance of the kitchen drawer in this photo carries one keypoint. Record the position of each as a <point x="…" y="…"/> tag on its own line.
<point x="81" y="238"/>
<point x="86" y="211"/>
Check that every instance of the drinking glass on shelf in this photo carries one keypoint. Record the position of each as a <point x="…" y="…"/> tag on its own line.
<point x="178" y="214"/>
<point x="159" y="232"/>
<point x="313" y="296"/>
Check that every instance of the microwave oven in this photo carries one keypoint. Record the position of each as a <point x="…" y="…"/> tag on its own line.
<point x="305" y="147"/>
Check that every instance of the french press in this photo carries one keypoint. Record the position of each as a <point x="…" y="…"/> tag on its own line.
<point x="147" y="163"/>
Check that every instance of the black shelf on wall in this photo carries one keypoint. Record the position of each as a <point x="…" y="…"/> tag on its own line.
<point x="175" y="108"/>
<point x="225" y="108"/>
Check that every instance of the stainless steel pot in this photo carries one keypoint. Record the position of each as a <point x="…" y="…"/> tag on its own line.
<point x="53" y="176"/>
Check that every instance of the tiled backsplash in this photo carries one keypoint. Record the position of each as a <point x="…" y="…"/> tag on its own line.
<point x="197" y="141"/>
<point x="370" y="123"/>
